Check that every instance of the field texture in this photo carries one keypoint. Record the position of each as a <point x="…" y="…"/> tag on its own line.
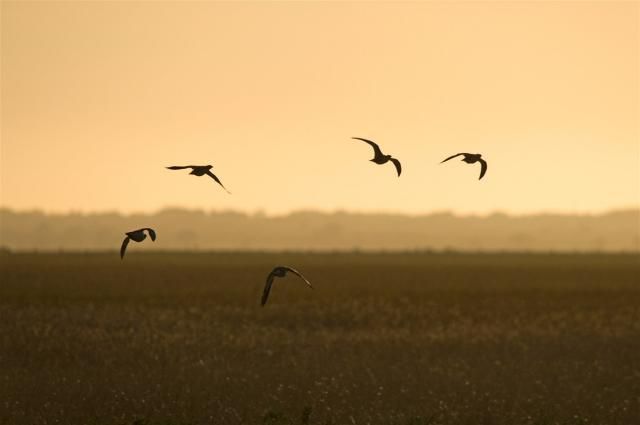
<point x="382" y="339"/>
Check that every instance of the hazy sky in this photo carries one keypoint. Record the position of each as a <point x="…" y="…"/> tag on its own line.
<point x="97" y="98"/>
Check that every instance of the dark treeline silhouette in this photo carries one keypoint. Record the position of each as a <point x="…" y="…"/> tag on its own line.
<point x="180" y="229"/>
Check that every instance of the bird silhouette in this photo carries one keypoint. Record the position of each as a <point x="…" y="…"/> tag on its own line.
<point x="279" y="271"/>
<point x="200" y="170"/>
<point x="472" y="158"/>
<point x="379" y="157"/>
<point x="136" y="236"/>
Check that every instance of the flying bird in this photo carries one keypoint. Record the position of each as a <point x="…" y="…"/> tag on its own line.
<point x="200" y="170"/>
<point x="472" y="158"/>
<point x="279" y="271"/>
<point x="136" y="236"/>
<point x="379" y="157"/>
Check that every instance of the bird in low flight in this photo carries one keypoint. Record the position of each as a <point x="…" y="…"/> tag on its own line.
<point x="280" y="271"/>
<point x="200" y="170"/>
<point x="472" y="158"/>
<point x="379" y="157"/>
<point x="136" y="236"/>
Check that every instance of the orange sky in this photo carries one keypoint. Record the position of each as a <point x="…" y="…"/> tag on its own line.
<point x="98" y="97"/>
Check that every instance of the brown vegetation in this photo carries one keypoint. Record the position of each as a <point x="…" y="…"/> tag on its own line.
<point x="383" y="339"/>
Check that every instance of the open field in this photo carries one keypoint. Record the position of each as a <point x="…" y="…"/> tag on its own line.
<point x="383" y="339"/>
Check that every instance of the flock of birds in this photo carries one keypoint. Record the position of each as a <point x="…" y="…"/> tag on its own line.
<point x="281" y="271"/>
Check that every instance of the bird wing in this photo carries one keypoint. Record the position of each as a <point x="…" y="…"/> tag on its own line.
<point x="213" y="176"/>
<point x="483" y="170"/>
<point x="123" y="248"/>
<point x="297" y="273"/>
<point x="376" y="149"/>
<point x="152" y="233"/>
<point x="397" y="164"/>
<point x="267" y="287"/>
<point x="180" y="167"/>
<point x="451" y="157"/>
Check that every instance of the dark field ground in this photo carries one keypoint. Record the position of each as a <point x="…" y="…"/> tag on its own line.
<point x="383" y="339"/>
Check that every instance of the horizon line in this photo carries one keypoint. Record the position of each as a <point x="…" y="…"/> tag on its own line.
<point x="4" y="250"/>
<point x="265" y="214"/>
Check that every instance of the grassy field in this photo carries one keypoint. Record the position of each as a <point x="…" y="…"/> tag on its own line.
<point x="383" y="339"/>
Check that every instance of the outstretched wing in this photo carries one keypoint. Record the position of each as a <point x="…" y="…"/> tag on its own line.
<point x="376" y="149"/>
<point x="483" y="170"/>
<point x="152" y="233"/>
<point x="451" y="157"/>
<point x="297" y="273"/>
<point x="397" y="164"/>
<point x="181" y="167"/>
<point x="267" y="287"/>
<point x="213" y="176"/>
<point x="123" y="248"/>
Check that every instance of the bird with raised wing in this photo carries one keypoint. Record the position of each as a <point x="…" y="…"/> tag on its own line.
<point x="280" y="271"/>
<point x="200" y="170"/>
<point x="379" y="157"/>
<point x="136" y="236"/>
<point x="472" y="158"/>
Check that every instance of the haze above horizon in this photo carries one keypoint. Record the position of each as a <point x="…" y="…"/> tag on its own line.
<point x="97" y="98"/>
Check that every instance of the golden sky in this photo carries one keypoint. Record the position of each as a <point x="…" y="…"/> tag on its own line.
<point x="97" y="98"/>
